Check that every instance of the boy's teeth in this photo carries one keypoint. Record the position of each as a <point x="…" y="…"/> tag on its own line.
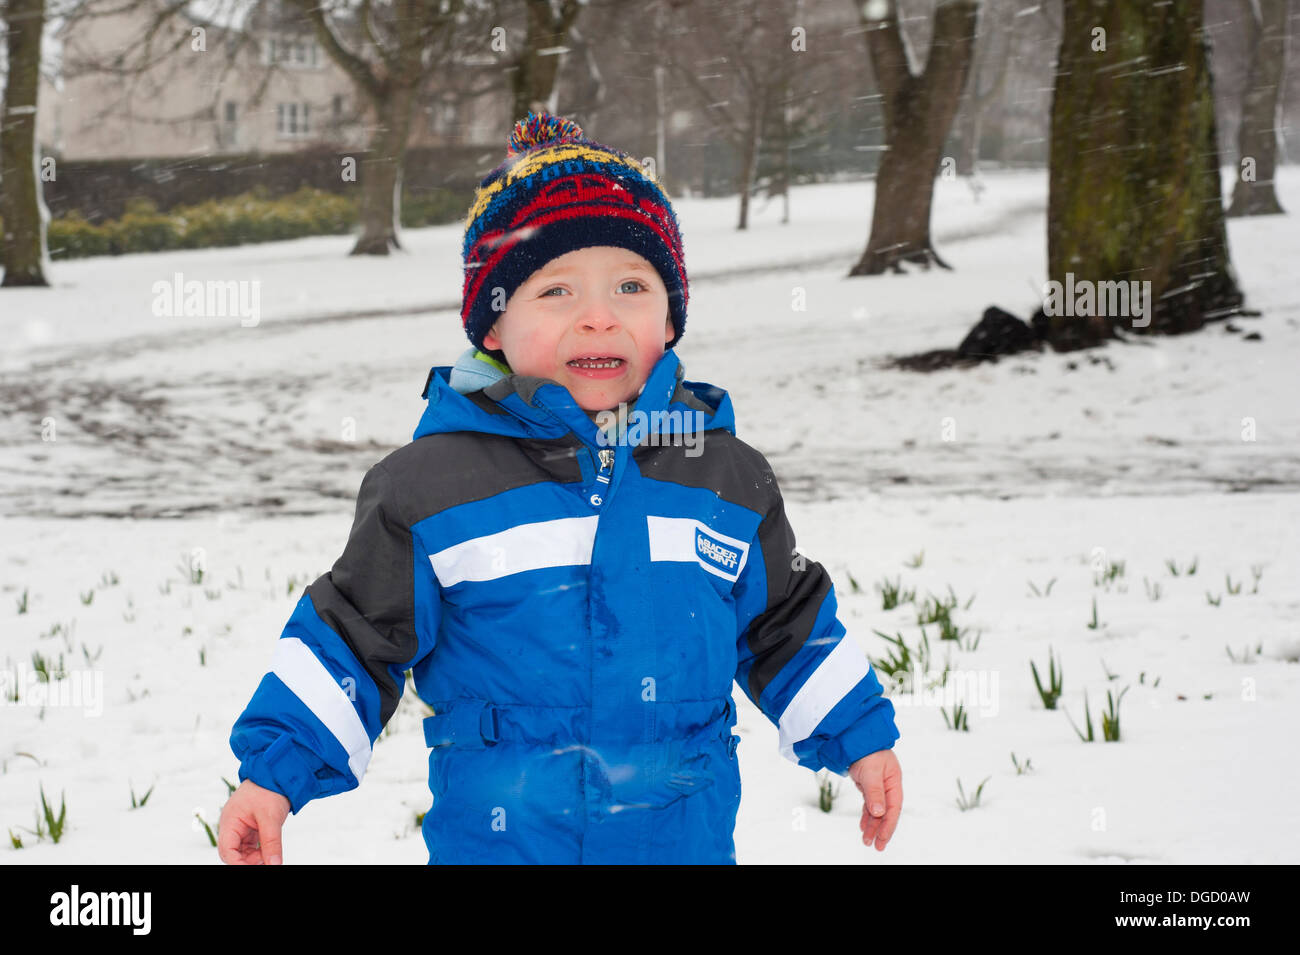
<point x="589" y="363"/>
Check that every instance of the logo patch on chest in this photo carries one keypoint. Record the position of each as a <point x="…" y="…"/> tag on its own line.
<point x="687" y="539"/>
<point x="716" y="554"/>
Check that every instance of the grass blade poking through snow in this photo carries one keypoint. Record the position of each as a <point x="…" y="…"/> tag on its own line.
<point x="1055" y="679"/>
<point x="206" y="828"/>
<point x="827" y="790"/>
<point x="964" y="803"/>
<point x="1087" y="718"/>
<point x="958" y="721"/>
<point x="892" y="593"/>
<point x="894" y="666"/>
<point x="52" y="824"/>
<point x="1046" y="592"/>
<point x="1110" y="719"/>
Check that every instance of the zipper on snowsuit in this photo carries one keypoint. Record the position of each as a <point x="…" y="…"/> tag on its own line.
<point x="602" y="476"/>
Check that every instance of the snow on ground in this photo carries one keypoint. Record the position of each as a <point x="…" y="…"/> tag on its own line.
<point x="172" y="434"/>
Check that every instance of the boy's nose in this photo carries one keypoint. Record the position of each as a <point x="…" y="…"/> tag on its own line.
<point x="597" y="316"/>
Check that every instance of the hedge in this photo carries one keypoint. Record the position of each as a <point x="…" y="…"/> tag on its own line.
<point x="240" y="220"/>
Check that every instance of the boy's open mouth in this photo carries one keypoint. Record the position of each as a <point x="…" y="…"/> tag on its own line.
<point x="597" y="366"/>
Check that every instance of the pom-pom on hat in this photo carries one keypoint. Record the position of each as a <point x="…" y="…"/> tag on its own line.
<point x="557" y="192"/>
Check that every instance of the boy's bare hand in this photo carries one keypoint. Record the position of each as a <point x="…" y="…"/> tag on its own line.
<point x="880" y="780"/>
<point x="249" y="831"/>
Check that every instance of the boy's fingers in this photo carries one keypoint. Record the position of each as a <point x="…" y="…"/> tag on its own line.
<point x="889" y="823"/>
<point x="268" y="831"/>
<point x="875" y="795"/>
<point x="237" y="842"/>
<point x="869" y="824"/>
<point x="229" y="835"/>
<point x="887" y="826"/>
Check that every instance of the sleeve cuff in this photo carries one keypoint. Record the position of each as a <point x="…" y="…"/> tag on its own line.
<point x="286" y="768"/>
<point x="873" y="732"/>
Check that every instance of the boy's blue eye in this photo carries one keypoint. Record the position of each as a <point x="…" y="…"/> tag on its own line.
<point x="637" y="282"/>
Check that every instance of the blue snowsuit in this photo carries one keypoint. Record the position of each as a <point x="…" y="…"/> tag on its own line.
<point x="574" y="611"/>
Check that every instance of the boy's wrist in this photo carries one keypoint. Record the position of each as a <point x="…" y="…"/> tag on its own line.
<point x="870" y="734"/>
<point x="284" y="768"/>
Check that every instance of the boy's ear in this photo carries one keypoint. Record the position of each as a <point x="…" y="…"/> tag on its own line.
<point x="490" y="339"/>
<point x="668" y="330"/>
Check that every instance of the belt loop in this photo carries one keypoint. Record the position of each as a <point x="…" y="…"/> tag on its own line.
<point x="465" y="724"/>
<point x="489" y="728"/>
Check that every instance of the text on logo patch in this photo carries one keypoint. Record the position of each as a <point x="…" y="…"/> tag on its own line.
<point x="715" y="553"/>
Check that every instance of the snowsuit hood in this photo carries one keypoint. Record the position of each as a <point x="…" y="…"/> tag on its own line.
<point x="542" y="408"/>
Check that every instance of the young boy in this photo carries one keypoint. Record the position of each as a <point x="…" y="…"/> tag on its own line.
<point x="576" y="557"/>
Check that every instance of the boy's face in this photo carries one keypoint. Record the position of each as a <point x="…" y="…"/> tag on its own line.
<point x="601" y="302"/>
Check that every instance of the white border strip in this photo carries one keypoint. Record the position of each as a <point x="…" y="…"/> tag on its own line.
<point x="840" y="672"/>
<point x="563" y="542"/>
<point x="306" y="677"/>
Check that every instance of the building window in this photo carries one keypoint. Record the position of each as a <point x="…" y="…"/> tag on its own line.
<point x="227" y="130"/>
<point x="299" y="52"/>
<point x="442" y="118"/>
<point x="291" y="119"/>
<point x="305" y="52"/>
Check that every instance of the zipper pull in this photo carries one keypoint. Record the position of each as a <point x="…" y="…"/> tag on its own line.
<point x="606" y="466"/>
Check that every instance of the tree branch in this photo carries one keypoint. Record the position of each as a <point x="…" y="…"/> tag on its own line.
<point x="888" y="56"/>
<point x="352" y="64"/>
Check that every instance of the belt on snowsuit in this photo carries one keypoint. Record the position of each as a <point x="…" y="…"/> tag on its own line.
<point x="477" y="724"/>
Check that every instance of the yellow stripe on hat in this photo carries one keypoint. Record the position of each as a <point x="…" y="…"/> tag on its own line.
<point x="534" y="160"/>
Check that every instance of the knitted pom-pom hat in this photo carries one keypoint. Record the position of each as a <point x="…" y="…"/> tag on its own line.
<point x="554" y="193"/>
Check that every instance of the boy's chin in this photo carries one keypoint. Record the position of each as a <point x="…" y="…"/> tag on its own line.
<point x="594" y="395"/>
<point x="600" y="404"/>
<point x="589" y="399"/>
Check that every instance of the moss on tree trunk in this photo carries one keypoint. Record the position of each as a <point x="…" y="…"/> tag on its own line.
<point x="1134" y="192"/>
<point x="22" y="246"/>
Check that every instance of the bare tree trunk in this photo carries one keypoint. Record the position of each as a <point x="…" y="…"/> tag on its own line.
<point x="20" y="201"/>
<point x="589" y="85"/>
<point x="749" y="159"/>
<point x="1134" y="193"/>
<point x="1253" y="194"/>
<point x="413" y="35"/>
<point x="533" y="82"/>
<point x="970" y="117"/>
<point x="918" y="112"/>
<point x="381" y="177"/>
<point x="968" y="131"/>
<point x="787" y="134"/>
<point x="661" y="122"/>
